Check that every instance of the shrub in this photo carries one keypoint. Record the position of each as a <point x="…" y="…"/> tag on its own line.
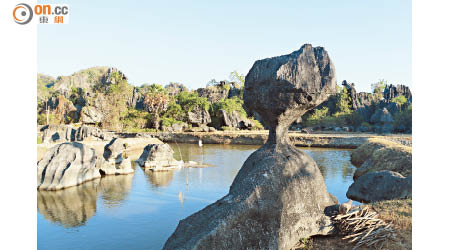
<point x="400" y="100"/>
<point x="136" y="119"/>
<point x="169" y="121"/>
<point x="39" y="140"/>
<point x="189" y="100"/>
<point x="175" y="111"/>
<point x="229" y="105"/>
<point x="256" y="124"/>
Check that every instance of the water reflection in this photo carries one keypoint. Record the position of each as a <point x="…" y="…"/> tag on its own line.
<point x="141" y="211"/>
<point x="159" y="178"/>
<point x="115" y="189"/>
<point x="72" y="207"/>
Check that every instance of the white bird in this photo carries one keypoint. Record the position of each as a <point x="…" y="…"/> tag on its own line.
<point x="200" y="143"/>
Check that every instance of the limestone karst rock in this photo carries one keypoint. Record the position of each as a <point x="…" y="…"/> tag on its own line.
<point x="67" y="164"/>
<point x="279" y="194"/>
<point x="157" y="156"/>
<point x="380" y="185"/>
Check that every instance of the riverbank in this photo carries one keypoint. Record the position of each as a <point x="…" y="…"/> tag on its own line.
<point x="322" y="140"/>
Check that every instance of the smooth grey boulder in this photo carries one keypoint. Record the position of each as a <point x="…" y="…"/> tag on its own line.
<point x="65" y="165"/>
<point x="381" y="185"/>
<point x="157" y="156"/>
<point x="279" y="195"/>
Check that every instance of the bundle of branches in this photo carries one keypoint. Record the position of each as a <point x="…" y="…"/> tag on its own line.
<point x="364" y="228"/>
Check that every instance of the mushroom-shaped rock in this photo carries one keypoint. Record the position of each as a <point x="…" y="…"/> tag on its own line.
<point x="65" y="165"/>
<point x="158" y="157"/>
<point x="279" y="194"/>
<point x="281" y="89"/>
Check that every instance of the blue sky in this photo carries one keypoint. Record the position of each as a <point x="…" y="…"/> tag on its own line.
<point x="194" y="41"/>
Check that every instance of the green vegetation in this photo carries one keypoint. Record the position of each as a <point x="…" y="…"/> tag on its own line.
<point x="39" y="140"/>
<point x="378" y="87"/>
<point x="190" y="100"/>
<point x="403" y="120"/>
<point x="400" y="100"/>
<point x="338" y="114"/>
<point x="136" y="119"/>
<point x="229" y="105"/>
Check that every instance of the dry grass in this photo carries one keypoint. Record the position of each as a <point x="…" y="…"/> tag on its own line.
<point x="397" y="212"/>
<point x="379" y="154"/>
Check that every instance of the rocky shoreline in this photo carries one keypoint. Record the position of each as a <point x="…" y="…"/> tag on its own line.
<point x="323" y="140"/>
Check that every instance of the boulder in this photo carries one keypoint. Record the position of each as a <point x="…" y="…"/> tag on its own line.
<point x="157" y="156"/>
<point x="377" y="155"/>
<point x="95" y="133"/>
<point x="199" y="116"/>
<point x="175" y="128"/>
<point x="116" y="161"/>
<point x="233" y="120"/>
<point x="214" y="93"/>
<point x="279" y="194"/>
<point x="380" y="185"/>
<point x="65" y="165"/>
<point x="91" y="115"/>
<point x="58" y="133"/>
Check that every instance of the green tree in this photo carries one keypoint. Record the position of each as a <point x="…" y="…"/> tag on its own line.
<point x="156" y="101"/>
<point x="378" y="88"/>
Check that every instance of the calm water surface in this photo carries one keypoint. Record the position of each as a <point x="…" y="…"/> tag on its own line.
<point x="141" y="211"/>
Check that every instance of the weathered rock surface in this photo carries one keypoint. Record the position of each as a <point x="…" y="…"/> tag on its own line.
<point x="157" y="156"/>
<point x="380" y="185"/>
<point x="116" y="161"/>
<point x="199" y="117"/>
<point x="58" y="133"/>
<point x="65" y="165"/>
<point x="214" y="93"/>
<point x="283" y="88"/>
<point x="279" y="195"/>
<point x="233" y="120"/>
<point x="84" y="132"/>
<point x="377" y="155"/>
<point x="391" y="91"/>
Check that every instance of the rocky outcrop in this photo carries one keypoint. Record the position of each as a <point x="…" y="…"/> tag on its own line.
<point x="383" y="121"/>
<point x="380" y="185"/>
<point x="378" y="155"/>
<point x="199" y="117"/>
<point x="175" y="128"/>
<point x="58" y="133"/>
<point x="158" y="157"/>
<point x="214" y="93"/>
<point x="116" y="160"/>
<point x="174" y="88"/>
<point x="279" y="195"/>
<point x="65" y="165"/>
<point x="233" y="120"/>
<point x="391" y="91"/>
<point x="95" y="133"/>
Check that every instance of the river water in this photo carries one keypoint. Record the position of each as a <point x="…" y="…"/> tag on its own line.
<point x="141" y="210"/>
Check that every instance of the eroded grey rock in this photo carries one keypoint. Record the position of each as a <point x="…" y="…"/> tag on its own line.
<point x="279" y="194"/>
<point x="65" y="165"/>
<point x="380" y="185"/>
<point x="115" y="159"/>
<point x="157" y="156"/>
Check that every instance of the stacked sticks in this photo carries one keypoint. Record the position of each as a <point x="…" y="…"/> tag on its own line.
<point x="364" y="228"/>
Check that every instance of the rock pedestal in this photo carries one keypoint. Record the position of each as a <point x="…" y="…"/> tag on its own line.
<point x="279" y="195"/>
